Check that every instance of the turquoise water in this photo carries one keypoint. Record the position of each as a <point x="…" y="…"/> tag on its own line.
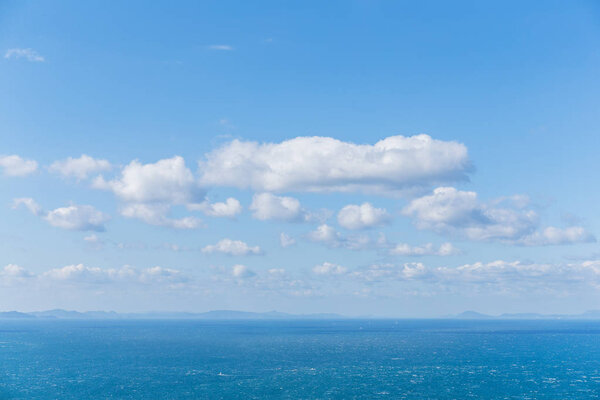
<point x="404" y="359"/>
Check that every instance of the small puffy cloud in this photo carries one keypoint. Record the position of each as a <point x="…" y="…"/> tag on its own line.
<point x="362" y="216"/>
<point x="79" y="168"/>
<point x="221" y="47"/>
<point x="230" y="208"/>
<point x="93" y="238"/>
<point x="328" y="268"/>
<point x="328" y="236"/>
<point x="324" y="164"/>
<point x="286" y="240"/>
<point x="73" y="217"/>
<point x="266" y="206"/>
<point x="148" y="191"/>
<point x="428" y="249"/>
<point x="77" y="217"/>
<point x="452" y="211"/>
<point x="240" y="271"/>
<point x="325" y="234"/>
<point x="26" y="54"/>
<point x="156" y="214"/>
<point x="14" y="165"/>
<point x="232" y="247"/>
<point x="166" y="181"/>
<point x="13" y="271"/>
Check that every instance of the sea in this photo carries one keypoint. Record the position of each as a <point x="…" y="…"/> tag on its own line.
<point x="299" y="359"/>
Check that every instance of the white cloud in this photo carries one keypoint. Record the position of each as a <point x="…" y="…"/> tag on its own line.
<point x="80" y="273"/>
<point x="325" y="234"/>
<point x="27" y="54"/>
<point x="232" y="247"/>
<point x="362" y="216"/>
<point x="148" y="191"/>
<point x="557" y="236"/>
<point x="79" y="168"/>
<point x="230" y="208"/>
<point x="13" y="272"/>
<point x="328" y="268"/>
<point x="285" y="240"/>
<point x="156" y="214"/>
<point x="14" y="165"/>
<point x="323" y="164"/>
<point x="222" y="47"/>
<point x="77" y="217"/>
<point x="452" y="211"/>
<point x="73" y="217"/>
<point x="491" y="277"/>
<point x="266" y="206"/>
<point x="28" y="203"/>
<point x="427" y="249"/>
<point x="242" y="272"/>
<point x="167" y="181"/>
<point x="328" y="236"/>
<point x="389" y="272"/>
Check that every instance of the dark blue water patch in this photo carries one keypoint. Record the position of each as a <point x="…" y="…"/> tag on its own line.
<point x="345" y="359"/>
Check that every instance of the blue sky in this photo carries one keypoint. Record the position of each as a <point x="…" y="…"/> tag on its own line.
<point x="362" y="157"/>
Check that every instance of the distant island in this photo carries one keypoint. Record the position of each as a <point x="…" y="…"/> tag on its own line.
<point x="593" y="314"/>
<point x="270" y="315"/>
<point x="210" y="315"/>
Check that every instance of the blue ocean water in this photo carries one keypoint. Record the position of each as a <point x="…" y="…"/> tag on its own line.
<point x="351" y="359"/>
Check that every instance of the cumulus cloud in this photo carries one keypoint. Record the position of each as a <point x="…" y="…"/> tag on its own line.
<point x="79" y="168"/>
<point x="156" y="214"/>
<point x="266" y="206"/>
<point x="26" y="54"/>
<point x="80" y="273"/>
<point x="328" y="236"/>
<point x="148" y="191"/>
<point x="427" y="249"/>
<point x="13" y="273"/>
<point x="166" y="181"/>
<point x="286" y="240"/>
<point x="240" y="271"/>
<point x="77" y="217"/>
<point x="232" y="247"/>
<point x="362" y="216"/>
<point x="73" y="217"/>
<point x="558" y="236"/>
<point x="328" y="268"/>
<point x="13" y="165"/>
<point x="322" y="164"/>
<point x="451" y="211"/>
<point x="496" y="276"/>
<point x="390" y="272"/>
<point x="230" y="208"/>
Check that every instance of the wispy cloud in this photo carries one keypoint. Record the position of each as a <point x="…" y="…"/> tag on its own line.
<point x="221" y="47"/>
<point x="26" y="54"/>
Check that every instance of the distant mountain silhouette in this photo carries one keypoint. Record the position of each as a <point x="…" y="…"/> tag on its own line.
<point x="210" y="315"/>
<point x="270" y="315"/>
<point x="592" y="314"/>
